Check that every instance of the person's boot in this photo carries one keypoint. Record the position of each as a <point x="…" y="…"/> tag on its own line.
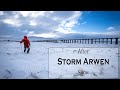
<point x="28" y="50"/>
<point x="24" y="50"/>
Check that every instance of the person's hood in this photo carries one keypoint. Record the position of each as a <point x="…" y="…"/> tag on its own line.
<point x="25" y="37"/>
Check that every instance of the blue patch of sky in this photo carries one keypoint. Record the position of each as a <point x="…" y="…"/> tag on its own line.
<point x="98" y="21"/>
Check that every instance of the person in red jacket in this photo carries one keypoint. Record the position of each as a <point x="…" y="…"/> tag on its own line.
<point x="26" y="44"/>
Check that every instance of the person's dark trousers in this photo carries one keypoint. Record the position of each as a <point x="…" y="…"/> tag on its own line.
<point x="28" y="49"/>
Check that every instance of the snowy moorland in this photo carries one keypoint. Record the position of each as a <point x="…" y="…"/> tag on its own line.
<point x="14" y="64"/>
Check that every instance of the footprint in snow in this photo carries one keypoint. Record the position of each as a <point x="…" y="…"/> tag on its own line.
<point x="8" y="54"/>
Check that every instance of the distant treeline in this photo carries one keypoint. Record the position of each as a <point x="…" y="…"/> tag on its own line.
<point x="55" y="41"/>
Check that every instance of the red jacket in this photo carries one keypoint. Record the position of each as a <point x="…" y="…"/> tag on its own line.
<point x="26" y="41"/>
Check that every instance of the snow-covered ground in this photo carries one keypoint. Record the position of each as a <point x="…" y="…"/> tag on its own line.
<point x="14" y="64"/>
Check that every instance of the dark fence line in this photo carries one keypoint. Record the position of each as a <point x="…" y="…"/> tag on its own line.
<point x="81" y="41"/>
<point x="93" y="41"/>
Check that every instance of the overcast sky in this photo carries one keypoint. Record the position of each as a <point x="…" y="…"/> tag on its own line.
<point x="56" y="24"/>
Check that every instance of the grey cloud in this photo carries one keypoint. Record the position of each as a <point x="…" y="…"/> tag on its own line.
<point x="46" y="23"/>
